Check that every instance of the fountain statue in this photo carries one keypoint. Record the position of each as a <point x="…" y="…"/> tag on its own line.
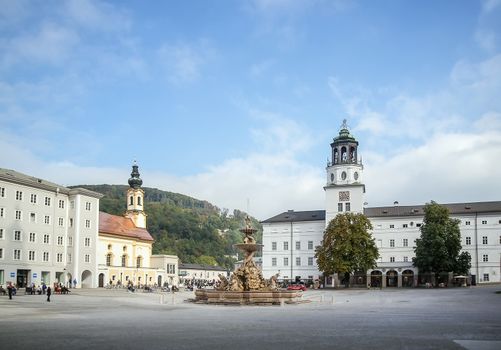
<point x="247" y="285"/>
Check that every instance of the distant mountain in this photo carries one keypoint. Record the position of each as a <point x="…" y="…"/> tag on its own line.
<point x="195" y="230"/>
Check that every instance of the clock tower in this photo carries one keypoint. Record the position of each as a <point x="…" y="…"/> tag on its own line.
<point x="344" y="191"/>
<point x="135" y="199"/>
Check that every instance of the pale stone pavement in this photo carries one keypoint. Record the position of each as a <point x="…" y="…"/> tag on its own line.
<point x="461" y="318"/>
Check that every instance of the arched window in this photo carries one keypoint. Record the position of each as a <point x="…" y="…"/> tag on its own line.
<point x="109" y="246"/>
<point x="124" y="260"/>
<point x="131" y="200"/>
<point x="344" y="155"/>
<point x="108" y="259"/>
<point x="139" y="260"/>
<point x="139" y="200"/>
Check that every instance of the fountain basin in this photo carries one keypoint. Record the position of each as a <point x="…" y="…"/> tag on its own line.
<point x="257" y="297"/>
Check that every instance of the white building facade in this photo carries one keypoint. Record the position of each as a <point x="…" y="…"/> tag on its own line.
<point x="290" y="238"/>
<point x="48" y="233"/>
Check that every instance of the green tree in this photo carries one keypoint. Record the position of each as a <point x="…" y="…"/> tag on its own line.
<point x="437" y="250"/>
<point x="347" y="245"/>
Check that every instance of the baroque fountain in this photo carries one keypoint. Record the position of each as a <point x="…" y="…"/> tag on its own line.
<point x="247" y="285"/>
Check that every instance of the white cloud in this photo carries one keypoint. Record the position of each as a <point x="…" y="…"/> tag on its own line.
<point x="490" y="5"/>
<point x="96" y="15"/>
<point x="51" y="44"/>
<point x="486" y="40"/>
<point x="184" y="62"/>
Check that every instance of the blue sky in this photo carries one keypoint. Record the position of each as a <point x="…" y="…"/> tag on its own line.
<point x="236" y="102"/>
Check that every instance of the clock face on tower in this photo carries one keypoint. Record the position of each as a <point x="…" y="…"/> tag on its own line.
<point x="344" y="196"/>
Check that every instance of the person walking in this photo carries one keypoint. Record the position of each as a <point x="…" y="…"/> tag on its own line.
<point x="9" y="290"/>
<point x="49" y="292"/>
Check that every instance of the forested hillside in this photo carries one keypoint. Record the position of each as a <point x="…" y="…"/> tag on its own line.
<point x="194" y="230"/>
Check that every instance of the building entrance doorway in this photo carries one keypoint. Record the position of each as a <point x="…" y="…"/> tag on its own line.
<point x="22" y="278"/>
<point x="101" y="280"/>
<point x="391" y="278"/>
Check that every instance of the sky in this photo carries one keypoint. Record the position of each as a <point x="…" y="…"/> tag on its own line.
<point x="237" y="102"/>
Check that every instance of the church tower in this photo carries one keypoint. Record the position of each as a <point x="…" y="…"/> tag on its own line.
<point x="135" y="199"/>
<point x="344" y="191"/>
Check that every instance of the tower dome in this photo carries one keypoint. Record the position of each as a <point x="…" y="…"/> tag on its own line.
<point x="135" y="181"/>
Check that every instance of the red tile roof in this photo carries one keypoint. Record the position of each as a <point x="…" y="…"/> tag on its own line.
<point x="122" y="226"/>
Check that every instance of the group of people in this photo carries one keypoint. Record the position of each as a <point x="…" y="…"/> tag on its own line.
<point x="42" y="289"/>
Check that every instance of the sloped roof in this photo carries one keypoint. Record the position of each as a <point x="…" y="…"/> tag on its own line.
<point x="200" y="267"/>
<point x="122" y="226"/>
<point x="418" y="210"/>
<point x="310" y="215"/>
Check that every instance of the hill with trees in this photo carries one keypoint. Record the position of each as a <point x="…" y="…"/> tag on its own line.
<point x="194" y="230"/>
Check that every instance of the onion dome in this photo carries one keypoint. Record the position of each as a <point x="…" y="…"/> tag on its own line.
<point x="135" y="181"/>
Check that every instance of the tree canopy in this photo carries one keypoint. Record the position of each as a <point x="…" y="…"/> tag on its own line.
<point x="347" y="245"/>
<point x="438" y="249"/>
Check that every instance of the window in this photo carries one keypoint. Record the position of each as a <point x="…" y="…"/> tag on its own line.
<point x="484" y="222"/>
<point x="17" y="254"/>
<point x="61" y="222"/>
<point x="87" y="205"/>
<point x="33" y="198"/>
<point x="61" y="204"/>
<point x="418" y="224"/>
<point x="31" y="255"/>
<point x="33" y="217"/>
<point x="71" y="222"/>
<point x="499" y="239"/>
<point x="2" y="192"/>
<point x="486" y="277"/>
<point x="347" y="206"/>
<point x="286" y="245"/>
<point x="485" y="258"/>
<point x="33" y="237"/>
<point x="392" y="259"/>
<point x="405" y="242"/>
<point x="1" y="255"/>
<point x="406" y="259"/>
<point x="273" y="245"/>
<point x="310" y="261"/>
<point x="70" y="241"/>
<point x="484" y="240"/>
<point x="87" y="223"/>
<point x="108" y="259"/>
<point x="468" y="240"/>
<point x="19" y="195"/>
<point x="46" y="239"/>
<point x="273" y="261"/>
<point x="139" y="260"/>
<point x="87" y="258"/>
<point x="59" y="240"/>
<point x="72" y="204"/>
<point x="17" y="235"/>
<point x="298" y="261"/>
<point x="124" y="260"/>
<point x="131" y="200"/>
<point x="68" y="260"/>
<point x="392" y="226"/>
<point x="392" y="243"/>
<point x="340" y="207"/>
<point x="1" y="233"/>
<point x="1" y="212"/>
<point x="405" y="225"/>
<point x="47" y="219"/>
<point x="286" y="261"/>
<point x="45" y="256"/>
<point x="18" y="214"/>
<point x="298" y="245"/>
<point x="467" y="223"/>
<point x="47" y="201"/>
<point x="310" y="245"/>
<point x="138" y="200"/>
<point x="59" y="257"/>
<point x="87" y="242"/>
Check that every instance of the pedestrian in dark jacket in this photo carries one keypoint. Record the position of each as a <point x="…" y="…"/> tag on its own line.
<point x="49" y="292"/>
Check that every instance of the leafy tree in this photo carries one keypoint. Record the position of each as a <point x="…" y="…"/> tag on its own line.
<point x="437" y="251"/>
<point x="347" y="245"/>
